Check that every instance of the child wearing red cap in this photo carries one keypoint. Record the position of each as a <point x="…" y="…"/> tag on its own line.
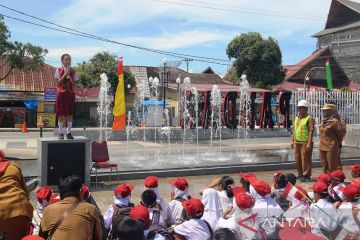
<point x="43" y="196"/>
<point x="179" y="194"/>
<point x="121" y="206"/>
<point x="322" y="222"/>
<point x="336" y="182"/>
<point x="345" y="211"/>
<point x="195" y="228"/>
<point x="151" y="183"/>
<point x="261" y="191"/>
<point x="142" y="214"/>
<point x="243" y="203"/>
<point x="355" y="171"/>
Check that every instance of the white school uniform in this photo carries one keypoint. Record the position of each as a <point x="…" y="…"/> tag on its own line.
<point x="194" y="229"/>
<point x="267" y="211"/>
<point x="174" y="209"/>
<point x="321" y="220"/>
<point x="346" y="218"/>
<point x="226" y="202"/>
<point x="110" y="211"/>
<point x="212" y="207"/>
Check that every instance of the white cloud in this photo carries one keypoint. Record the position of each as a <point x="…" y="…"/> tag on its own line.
<point x="177" y="39"/>
<point x="94" y="14"/>
<point x="80" y="52"/>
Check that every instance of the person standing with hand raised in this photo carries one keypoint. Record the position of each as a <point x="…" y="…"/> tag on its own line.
<point x="65" y="95"/>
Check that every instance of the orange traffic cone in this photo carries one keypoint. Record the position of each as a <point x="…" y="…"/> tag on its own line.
<point x="24" y="128"/>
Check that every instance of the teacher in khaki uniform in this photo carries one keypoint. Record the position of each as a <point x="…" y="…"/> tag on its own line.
<point x="302" y="140"/>
<point x="332" y="132"/>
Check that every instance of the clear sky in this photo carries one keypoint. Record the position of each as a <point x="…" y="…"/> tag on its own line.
<point x="196" y="27"/>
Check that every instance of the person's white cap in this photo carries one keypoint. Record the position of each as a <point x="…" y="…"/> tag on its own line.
<point x="303" y="103"/>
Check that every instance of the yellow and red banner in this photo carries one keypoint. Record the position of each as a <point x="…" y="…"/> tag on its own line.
<point x="119" y="106"/>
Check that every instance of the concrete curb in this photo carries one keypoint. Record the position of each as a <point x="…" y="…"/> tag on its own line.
<point x="273" y="166"/>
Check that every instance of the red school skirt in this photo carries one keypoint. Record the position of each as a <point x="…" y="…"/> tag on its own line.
<point x="65" y="103"/>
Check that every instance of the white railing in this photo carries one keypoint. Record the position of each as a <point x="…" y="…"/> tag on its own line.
<point x="348" y="104"/>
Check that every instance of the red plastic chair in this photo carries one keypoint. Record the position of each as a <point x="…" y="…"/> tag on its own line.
<point x="100" y="159"/>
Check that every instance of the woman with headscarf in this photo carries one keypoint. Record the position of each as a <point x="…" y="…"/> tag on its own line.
<point x="212" y="207"/>
<point x="332" y="132"/>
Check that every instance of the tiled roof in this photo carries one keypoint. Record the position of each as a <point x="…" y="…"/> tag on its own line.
<point x="291" y="70"/>
<point x="27" y="81"/>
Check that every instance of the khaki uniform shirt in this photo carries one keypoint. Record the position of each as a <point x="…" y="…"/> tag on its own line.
<point x="331" y="135"/>
<point x="82" y="223"/>
<point x="14" y="198"/>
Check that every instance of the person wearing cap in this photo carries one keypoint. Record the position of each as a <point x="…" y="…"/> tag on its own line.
<point x="324" y="219"/>
<point x="82" y="219"/>
<point x="345" y="211"/>
<point x="43" y="196"/>
<point x="302" y="140"/>
<point x="337" y="182"/>
<point x="245" y="180"/>
<point x="324" y="177"/>
<point x="151" y="232"/>
<point x="266" y="208"/>
<point x="355" y="171"/>
<point x="121" y="205"/>
<point x="195" y="228"/>
<point x="243" y="203"/>
<point x="152" y="183"/>
<point x="16" y="211"/>
<point x="332" y="132"/>
<point x="179" y="194"/>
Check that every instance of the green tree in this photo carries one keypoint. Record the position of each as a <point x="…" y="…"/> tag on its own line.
<point x="260" y="59"/>
<point x="18" y="55"/>
<point x="104" y="62"/>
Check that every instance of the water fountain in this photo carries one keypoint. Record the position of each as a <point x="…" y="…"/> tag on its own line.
<point x="186" y="114"/>
<point x="195" y="102"/>
<point x="104" y="102"/>
<point x="216" y="120"/>
<point x="244" y="111"/>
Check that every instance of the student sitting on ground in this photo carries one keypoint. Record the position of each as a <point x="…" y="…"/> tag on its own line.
<point x="179" y="194"/>
<point x="195" y="228"/>
<point x="43" y="196"/>
<point x="120" y="207"/>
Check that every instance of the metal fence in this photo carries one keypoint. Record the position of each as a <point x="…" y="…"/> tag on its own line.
<point x="348" y="104"/>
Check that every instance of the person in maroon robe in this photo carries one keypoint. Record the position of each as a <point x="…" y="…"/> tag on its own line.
<point x="65" y="95"/>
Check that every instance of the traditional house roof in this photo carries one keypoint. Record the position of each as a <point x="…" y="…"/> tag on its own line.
<point x="27" y="81"/>
<point x="343" y="15"/>
<point x="314" y="67"/>
<point x="209" y="70"/>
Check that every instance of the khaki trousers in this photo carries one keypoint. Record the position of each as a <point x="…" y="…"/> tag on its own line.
<point x="14" y="228"/>
<point x="303" y="159"/>
<point x="330" y="160"/>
